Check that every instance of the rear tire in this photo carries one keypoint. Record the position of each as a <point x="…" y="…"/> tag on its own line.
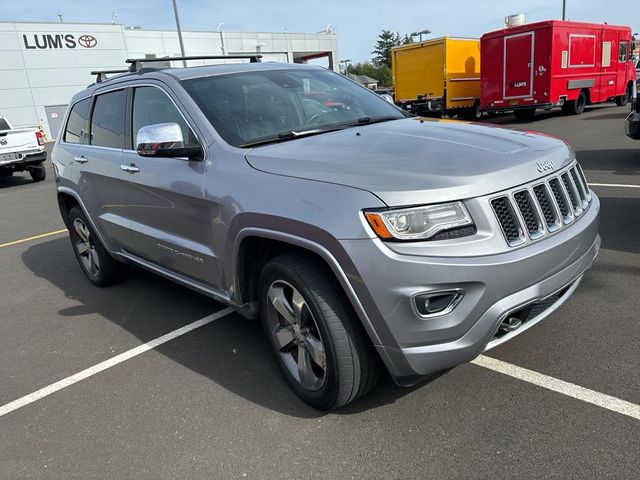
<point x="622" y="100"/>
<point x="98" y="266"/>
<point x="525" y="115"/>
<point x="317" y="340"/>
<point x="474" y="113"/>
<point x="576" y="107"/>
<point x="5" y="172"/>
<point x="38" y="173"/>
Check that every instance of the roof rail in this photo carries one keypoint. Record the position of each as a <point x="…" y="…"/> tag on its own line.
<point x="102" y="74"/>
<point x="136" y="63"/>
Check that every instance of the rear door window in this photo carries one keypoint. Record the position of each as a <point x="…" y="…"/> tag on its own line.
<point x="77" y="125"/>
<point x="107" y="120"/>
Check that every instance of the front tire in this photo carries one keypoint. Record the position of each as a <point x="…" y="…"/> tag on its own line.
<point x="98" y="266"/>
<point x="317" y="340"/>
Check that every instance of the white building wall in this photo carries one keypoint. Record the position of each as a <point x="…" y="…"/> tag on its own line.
<point x="37" y="71"/>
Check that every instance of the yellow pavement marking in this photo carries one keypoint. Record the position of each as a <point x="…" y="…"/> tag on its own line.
<point x="35" y="237"/>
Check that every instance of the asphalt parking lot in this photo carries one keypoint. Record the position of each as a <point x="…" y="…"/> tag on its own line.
<point x="211" y="403"/>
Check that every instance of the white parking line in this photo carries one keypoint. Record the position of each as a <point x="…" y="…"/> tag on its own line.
<point x="619" y="185"/>
<point x="66" y="382"/>
<point x="560" y="386"/>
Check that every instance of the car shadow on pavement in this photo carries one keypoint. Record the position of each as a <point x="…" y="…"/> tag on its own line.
<point x="624" y="161"/>
<point x="230" y="351"/>
<point x="619" y="223"/>
<point x="15" y="180"/>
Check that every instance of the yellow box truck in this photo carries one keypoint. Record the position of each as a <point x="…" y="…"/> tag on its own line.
<point x="438" y="76"/>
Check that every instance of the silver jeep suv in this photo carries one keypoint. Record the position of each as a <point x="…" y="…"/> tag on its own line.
<point x="360" y="236"/>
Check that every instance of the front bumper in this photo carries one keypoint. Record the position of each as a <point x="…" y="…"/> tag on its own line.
<point x="494" y="285"/>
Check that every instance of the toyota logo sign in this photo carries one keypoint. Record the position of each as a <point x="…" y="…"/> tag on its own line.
<point x="87" y="41"/>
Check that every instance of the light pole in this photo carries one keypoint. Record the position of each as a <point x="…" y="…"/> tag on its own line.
<point x="221" y="37"/>
<point x="423" y="32"/>
<point x="175" y="11"/>
<point x="564" y="9"/>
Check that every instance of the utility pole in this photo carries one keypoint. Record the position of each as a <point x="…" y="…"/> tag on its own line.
<point x="175" y="11"/>
<point x="564" y="9"/>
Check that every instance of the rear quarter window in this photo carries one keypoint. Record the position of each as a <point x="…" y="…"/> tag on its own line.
<point x="4" y="125"/>
<point x="77" y="124"/>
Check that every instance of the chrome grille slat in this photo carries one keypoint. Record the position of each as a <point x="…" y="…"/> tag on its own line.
<point x="529" y="213"/>
<point x="508" y="220"/>
<point x="561" y="199"/>
<point x="578" y="183"/>
<point x="547" y="207"/>
<point x="572" y="193"/>
<point x="540" y="209"/>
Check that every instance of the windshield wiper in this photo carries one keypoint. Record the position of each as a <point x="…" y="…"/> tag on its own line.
<point x="289" y="135"/>
<point x="292" y="134"/>
<point x="370" y="120"/>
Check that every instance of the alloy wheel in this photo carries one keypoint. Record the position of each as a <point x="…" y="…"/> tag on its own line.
<point x="86" y="248"/>
<point x="296" y="335"/>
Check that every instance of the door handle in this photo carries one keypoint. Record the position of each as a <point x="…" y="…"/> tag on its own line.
<point x="131" y="168"/>
<point x="80" y="159"/>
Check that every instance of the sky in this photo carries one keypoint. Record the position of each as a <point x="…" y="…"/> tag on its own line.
<point x="357" y="23"/>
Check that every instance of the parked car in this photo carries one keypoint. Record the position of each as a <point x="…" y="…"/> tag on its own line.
<point x="21" y="149"/>
<point x="555" y="64"/>
<point x="632" y="124"/>
<point x="360" y="236"/>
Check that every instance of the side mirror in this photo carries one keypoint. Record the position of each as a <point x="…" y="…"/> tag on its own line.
<point x="165" y="140"/>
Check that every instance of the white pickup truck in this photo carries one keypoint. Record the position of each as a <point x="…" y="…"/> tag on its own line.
<point x="21" y="149"/>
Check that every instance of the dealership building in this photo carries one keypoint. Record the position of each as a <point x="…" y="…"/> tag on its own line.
<point x="43" y="64"/>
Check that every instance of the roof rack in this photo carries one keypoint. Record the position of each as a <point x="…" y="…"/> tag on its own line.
<point x="102" y="74"/>
<point x="136" y="63"/>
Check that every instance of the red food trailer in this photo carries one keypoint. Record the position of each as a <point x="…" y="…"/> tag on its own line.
<point x="555" y="63"/>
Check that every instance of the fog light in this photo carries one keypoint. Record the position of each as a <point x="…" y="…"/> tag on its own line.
<point x="432" y="304"/>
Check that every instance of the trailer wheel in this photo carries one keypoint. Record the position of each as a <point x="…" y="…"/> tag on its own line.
<point x="525" y="114"/>
<point x="576" y="107"/>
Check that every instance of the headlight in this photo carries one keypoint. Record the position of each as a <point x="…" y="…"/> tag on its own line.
<point x="418" y="223"/>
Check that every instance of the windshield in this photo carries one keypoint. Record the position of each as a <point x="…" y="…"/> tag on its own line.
<point x="258" y="107"/>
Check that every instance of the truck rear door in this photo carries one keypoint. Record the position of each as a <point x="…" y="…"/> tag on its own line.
<point x="518" y="65"/>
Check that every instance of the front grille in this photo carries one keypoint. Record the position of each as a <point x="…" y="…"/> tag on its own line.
<point x="528" y="212"/>
<point x="573" y="195"/>
<point x="546" y="205"/>
<point x="561" y="200"/>
<point x="508" y="220"/>
<point x="542" y="208"/>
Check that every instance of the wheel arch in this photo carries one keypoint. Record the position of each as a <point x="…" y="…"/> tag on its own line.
<point x="254" y="247"/>
<point x="67" y="199"/>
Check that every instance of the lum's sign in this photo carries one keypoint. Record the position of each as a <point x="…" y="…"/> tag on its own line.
<point x="58" y="41"/>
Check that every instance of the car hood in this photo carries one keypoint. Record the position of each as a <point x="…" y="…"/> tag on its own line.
<point x="413" y="161"/>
